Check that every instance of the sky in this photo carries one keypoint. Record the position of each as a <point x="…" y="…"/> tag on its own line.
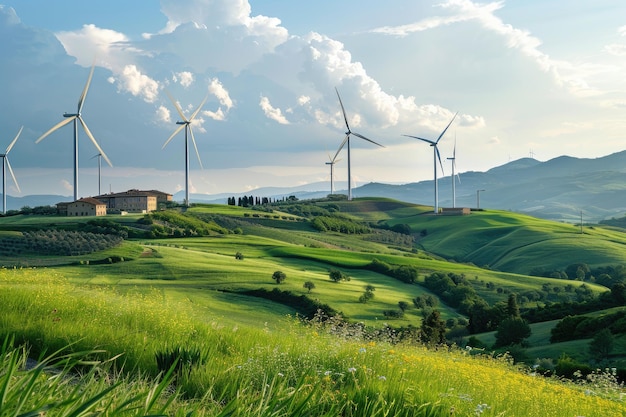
<point x="528" y="79"/>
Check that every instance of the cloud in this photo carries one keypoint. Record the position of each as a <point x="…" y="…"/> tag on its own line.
<point x="138" y="84"/>
<point x="185" y="78"/>
<point x="163" y="114"/>
<point x="217" y="89"/>
<point x="271" y="112"/>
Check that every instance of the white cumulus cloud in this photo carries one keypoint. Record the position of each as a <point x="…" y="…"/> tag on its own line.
<point x="138" y="84"/>
<point x="272" y="112"/>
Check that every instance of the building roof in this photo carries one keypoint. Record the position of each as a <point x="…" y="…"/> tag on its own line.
<point x="133" y="193"/>
<point x="90" y="200"/>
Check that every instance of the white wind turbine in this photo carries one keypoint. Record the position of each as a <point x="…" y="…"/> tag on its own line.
<point x="332" y="162"/>
<point x="347" y="140"/>
<point x="186" y="124"/>
<point x="7" y="164"/>
<point x="436" y="157"/>
<point x="99" y="156"/>
<point x="74" y="117"/>
<point x="453" y="163"/>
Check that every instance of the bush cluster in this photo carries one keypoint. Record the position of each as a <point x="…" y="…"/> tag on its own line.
<point x="404" y="273"/>
<point x="339" y="224"/>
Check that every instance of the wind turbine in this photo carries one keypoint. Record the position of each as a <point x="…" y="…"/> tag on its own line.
<point x="99" y="156"/>
<point x="74" y="117"/>
<point x="453" y="163"/>
<point x="347" y="140"/>
<point x="186" y="124"/>
<point x="332" y="162"/>
<point x="6" y="163"/>
<point x="436" y="157"/>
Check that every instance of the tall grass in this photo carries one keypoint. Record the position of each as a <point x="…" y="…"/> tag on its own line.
<point x="289" y="370"/>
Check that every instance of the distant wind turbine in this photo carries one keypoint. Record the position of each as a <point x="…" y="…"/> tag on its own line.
<point x="186" y="124"/>
<point x="436" y="156"/>
<point x="6" y="163"/>
<point x="99" y="156"/>
<point x="347" y="140"/>
<point x="332" y="162"/>
<point x="453" y="163"/>
<point x="77" y="117"/>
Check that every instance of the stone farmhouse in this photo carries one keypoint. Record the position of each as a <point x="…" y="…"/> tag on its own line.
<point x="131" y="201"/>
<point x="83" y="207"/>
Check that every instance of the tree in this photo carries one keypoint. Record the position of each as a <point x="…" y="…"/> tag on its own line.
<point x="279" y="276"/>
<point x="602" y="344"/>
<point x="403" y="305"/>
<point x="433" y="330"/>
<point x="239" y="256"/>
<point x="368" y="294"/>
<point x="309" y="285"/>
<point x="512" y="309"/>
<point x="512" y="331"/>
<point x="336" y="275"/>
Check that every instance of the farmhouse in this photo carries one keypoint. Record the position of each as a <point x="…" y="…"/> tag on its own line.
<point x="134" y="201"/>
<point x="83" y="207"/>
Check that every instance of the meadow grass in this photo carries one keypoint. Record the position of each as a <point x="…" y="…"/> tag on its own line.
<point x="286" y="369"/>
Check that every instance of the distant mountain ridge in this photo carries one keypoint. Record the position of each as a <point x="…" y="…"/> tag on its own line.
<point x="557" y="189"/>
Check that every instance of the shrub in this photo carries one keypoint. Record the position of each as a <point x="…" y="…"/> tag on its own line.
<point x="279" y="276"/>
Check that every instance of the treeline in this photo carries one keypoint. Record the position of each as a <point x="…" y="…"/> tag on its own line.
<point x="339" y="224"/>
<point x="404" y="273"/>
<point x="57" y="243"/>
<point x="584" y="327"/>
<point x="301" y="303"/>
<point x="248" y="201"/>
<point x="605" y="275"/>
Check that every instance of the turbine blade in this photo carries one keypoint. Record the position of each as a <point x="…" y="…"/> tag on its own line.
<point x="425" y="140"/>
<point x="193" y="140"/>
<point x="195" y="113"/>
<point x="178" y="109"/>
<point x="345" y="118"/>
<point x="93" y="140"/>
<point x="342" y="145"/>
<point x="369" y="140"/>
<point x="444" y="130"/>
<point x="439" y="157"/>
<point x="55" y="127"/>
<point x="96" y="155"/>
<point x="12" y="174"/>
<point x="14" y="140"/>
<point x="181" y="127"/>
<point x="81" y="100"/>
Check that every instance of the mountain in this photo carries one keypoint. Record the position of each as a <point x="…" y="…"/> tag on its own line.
<point x="558" y="189"/>
<point x="562" y="189"/>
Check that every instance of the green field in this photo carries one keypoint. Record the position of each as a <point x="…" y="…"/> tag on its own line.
<point x="188" y="289"/>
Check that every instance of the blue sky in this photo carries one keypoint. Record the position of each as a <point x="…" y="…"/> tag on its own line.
<point x="540" y="77"/>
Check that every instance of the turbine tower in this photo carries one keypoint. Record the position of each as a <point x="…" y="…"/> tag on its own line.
<point x="74" y="117"/>
<point x="99" y="156"/>
<point x="453" y="163"/>
<point x="332" y="162"/>
<point x="186" y="124"/>
<point x="347" y="140"/>
<point x="7" y="164"/>
<point x="436" y="156"/>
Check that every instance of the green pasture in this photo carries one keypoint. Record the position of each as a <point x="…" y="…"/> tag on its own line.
<point x="280" y="368"/>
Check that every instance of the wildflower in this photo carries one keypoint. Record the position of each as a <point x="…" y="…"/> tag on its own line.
<point x="352" y="370"/>
<point x="382" y="378"/>
<point x="362" y="350"/>
<point x="328" y="373"/>
<point x="280" y="374"/>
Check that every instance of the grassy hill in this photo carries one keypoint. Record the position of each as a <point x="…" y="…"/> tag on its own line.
<point x="217" y="261"/>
